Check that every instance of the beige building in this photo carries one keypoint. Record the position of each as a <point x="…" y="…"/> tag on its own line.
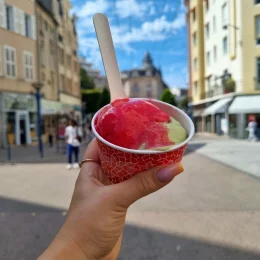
<point x="224" y="64"/>
<point x="38" y="44"/>
<point x="18" y="59"/>
<point x="144" y="82"/>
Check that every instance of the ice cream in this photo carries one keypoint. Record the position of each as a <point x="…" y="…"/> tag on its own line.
<point x="138" y="124"/>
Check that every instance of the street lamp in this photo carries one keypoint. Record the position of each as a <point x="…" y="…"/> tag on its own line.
<point x="38" y="87"/>
<point x="225" y="27"/>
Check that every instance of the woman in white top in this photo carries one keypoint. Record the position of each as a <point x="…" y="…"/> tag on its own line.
<point x="73" y="135"/>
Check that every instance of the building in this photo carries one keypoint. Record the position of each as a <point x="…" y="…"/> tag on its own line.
<point x="18" y="59"/>
<point x="144" y="82"/>
<point x="99" y="80"/>
<point x="179" y="93"/>
<point x="223" y="63"/>
<point x="33" y="37"/>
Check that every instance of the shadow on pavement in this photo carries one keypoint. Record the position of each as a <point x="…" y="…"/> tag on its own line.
<point x="25" y="236"/>
<point x="11" y="205"/>
<point x="192" y="147"/>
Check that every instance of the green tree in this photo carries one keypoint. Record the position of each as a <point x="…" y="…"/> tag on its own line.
<point x="168" y="97"/>
<point x="104" y="98"/>
<point x="184" y="103"/>
<point x="86" y="82"/>
<point x="91" y="97"/>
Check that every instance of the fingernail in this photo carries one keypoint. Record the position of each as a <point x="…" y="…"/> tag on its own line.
<point x="167" y="174"/>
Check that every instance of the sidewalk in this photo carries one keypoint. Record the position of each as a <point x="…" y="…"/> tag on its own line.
<point x="239" y="154"/>
<point x="30" y="154"/>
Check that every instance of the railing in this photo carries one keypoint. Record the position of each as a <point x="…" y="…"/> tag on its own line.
<point x="219" y="90"/>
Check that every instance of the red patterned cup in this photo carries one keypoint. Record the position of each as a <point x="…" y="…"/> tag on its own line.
<point x="120" y="164"/>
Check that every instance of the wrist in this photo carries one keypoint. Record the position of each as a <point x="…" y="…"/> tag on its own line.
<point x="63" y="247"/>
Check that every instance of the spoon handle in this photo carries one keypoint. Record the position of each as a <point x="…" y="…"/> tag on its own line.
<point x="108" y="56"/>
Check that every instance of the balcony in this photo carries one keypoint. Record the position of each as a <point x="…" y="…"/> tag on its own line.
<point x="228" y="87"/>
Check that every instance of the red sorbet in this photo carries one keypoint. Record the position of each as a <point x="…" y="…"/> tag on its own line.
<point x="130" y="123"/>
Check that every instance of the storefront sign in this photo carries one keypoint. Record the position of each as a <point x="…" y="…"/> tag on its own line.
<point x="50" y="107"/>
<point x="14" y="101"/>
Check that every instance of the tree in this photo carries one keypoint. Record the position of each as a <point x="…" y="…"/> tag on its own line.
<point x="86" y="82"/>
<point x="104" y="98"/>
<point x="168" y="97"/>
<point x="91" y="97"/>
<point x="184" y="103"/>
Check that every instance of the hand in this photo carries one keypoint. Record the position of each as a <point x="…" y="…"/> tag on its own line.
<point x="96" y="217"/>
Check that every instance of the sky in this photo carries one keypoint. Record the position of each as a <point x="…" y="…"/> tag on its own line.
<point x="138" y="26"/>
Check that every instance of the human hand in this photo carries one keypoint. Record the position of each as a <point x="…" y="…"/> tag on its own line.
<point x="96" y="217"/>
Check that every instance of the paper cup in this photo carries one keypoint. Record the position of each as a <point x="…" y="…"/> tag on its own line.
<point x="120" y="163"/>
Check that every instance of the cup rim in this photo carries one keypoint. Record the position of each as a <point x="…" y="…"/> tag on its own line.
<point x="144" y="152"/>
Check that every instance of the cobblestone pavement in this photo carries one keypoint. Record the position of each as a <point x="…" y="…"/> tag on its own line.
<point x="211" y="211"/>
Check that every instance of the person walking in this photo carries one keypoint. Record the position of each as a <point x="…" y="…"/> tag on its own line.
<point x="252" y="126"/>
<point x="73" y="136"/>
<point x="51" y="132"/>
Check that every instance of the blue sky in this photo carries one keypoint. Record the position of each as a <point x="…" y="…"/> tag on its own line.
<point x="137" y="26"/>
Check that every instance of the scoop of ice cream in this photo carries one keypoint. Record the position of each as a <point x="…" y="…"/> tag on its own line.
<point x="138" y="124"/>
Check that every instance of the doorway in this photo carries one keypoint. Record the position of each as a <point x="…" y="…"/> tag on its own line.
<point x="22" y="129"/>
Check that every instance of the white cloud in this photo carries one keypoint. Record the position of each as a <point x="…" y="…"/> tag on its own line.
<point x="91" y="7"/>
<point x="152" y="11"/>
<point x="168" y="8"/>
<point x="131" y="8"/>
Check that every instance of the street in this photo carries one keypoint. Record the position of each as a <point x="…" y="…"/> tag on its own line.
<point x="211" y="211"/>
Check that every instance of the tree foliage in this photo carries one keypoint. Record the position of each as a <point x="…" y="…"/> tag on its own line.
<point x="91" y="97"/>
<point x="86" y="82"/>
<point x="104" y="98"/>
<point x="184" y="103"/>
<point x="168" y="97"/>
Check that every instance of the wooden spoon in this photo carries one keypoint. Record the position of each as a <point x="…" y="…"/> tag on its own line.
<point x="107" y="50"/>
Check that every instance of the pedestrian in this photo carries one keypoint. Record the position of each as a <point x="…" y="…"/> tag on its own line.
<point x="252" y="126"/>
<point x="51" y="132"/>
<point x="257" y="131"/>
<point x="94" y="225"/>
<point x="73" y="136"/>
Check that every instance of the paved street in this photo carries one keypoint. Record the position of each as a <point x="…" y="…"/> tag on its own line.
<point x="211" y="211"/>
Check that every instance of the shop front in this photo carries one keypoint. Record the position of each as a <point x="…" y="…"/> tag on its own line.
<point x="240" y="111"/>
<point x="18" y="119"/>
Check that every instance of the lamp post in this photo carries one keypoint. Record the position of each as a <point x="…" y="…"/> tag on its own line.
<point x="225" y="27"/>
<point x="38" y="87"/>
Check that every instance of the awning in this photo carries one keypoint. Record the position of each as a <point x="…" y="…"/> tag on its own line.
<point x="219" y="107"/>
<point x="198" y="112"/>
<point x="245" y="105"/>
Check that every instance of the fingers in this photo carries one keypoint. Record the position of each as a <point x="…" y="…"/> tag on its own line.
<point x="92" y="151"/>
<point x="145" y="183"/>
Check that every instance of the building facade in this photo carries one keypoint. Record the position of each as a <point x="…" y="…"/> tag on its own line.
<point x="145" y="82"/>
<point x="100" y="81"/>
<point x="18" y="59"/>
<point x="223" y="34"/>
<point x="31" y="35"/>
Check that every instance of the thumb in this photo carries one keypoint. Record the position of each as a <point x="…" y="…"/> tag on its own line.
<point x="145" y="183"/>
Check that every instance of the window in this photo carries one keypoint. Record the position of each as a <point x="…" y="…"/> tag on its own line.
<point x="215" y="53"/>
<point x="61" y="56"/>
<point x="28" y="26"/>
<point x="193" y="14"/>
<point x="9" y="18"/>
<point x="196" y="87"/>
<point x="194" y="39"/>
<point x="214" y="24"/>
<point x="208" y="58"/>
<point x="136" y="90"/>
<point x="208" y="82"/>
<point x="207" y="30"/>
<point x="68" y="61"/>
<point x="257" y="29"/>
<point x="28" y="66"/>
<point x="225" y="45"/>
<point x="75" y="66"/>
<point x="149" y="91"/>
<point x="60" y="38"/>
<point x="195" y="64"/>
<point x="10" y="61"/>
<point x="206" y="5"/>
<point x="62" y="82"/>
<point x="224" y="14"/>
<point x="257" y="2"/>
<point x="257" y="85"/>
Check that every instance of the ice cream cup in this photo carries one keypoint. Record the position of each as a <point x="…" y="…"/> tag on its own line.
<point x="120" y="163"/>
